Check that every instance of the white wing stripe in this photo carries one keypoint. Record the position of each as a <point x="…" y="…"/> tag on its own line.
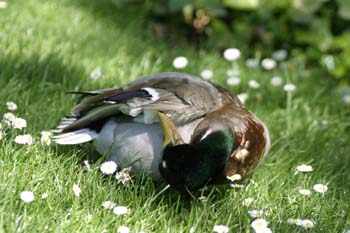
<point x="152" y="92"/>
<point x="76" y="137"/>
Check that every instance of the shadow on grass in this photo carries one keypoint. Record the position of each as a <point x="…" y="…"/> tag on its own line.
<point x="122" y="15"/>
<point x="134" y="21"/>
<point x="130" y="23"/>
<point x="38" y="85"/>
<point x="40" y="72"/>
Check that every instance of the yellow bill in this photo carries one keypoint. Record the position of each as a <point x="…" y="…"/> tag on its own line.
<point x="171" y="135"/>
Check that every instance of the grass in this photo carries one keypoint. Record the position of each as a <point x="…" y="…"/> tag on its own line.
<point x="49" y="47"/>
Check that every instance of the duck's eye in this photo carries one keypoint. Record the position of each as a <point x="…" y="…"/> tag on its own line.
<point x="164" y="165"/>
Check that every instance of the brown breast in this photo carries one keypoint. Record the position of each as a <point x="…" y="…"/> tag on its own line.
<point x="251" y="144"/>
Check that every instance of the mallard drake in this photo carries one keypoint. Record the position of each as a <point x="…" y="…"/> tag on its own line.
<point x="174" y="126"/>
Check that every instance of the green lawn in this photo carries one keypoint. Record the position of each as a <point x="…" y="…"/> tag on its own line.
<point x="49" y="47"/>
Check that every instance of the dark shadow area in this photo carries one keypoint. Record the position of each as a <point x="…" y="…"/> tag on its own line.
<point x="42" y="82"/>
<point x="47" y="71"/>
<point x="142" y="28"/>
<point x="38" y="85"/>
<point x="132" y="23"/>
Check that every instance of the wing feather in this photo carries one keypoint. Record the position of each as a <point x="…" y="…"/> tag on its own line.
<point x="182" y="97"/>
<point x="76" y="137"/>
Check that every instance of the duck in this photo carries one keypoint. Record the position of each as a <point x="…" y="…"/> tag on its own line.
<point x="175" y="127"/>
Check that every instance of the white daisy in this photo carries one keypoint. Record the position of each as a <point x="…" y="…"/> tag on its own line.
<point x="180" y="62"/>
<point x="1" y="135"/>
<point x="120" y="210"/>
<point x="203" y="199"/>
<point x="280" y="55"/>
<point x="304" y="168"/>
<point x="324" y="123"/>
<point x="289" y="87"/>
<point x="46" y="133"/>
<point x="259" y="223"/>
<point x="234" y="177"/>
<point x="295" y="221"/>
<point x="276" y="81"/>
<point x="243" y="97"/>
<point x="108" y="167"/>
<point x="256" y="213"/>
<point x="24" y="139"/>
<point x="268" y="63"/>
<point x="251" y="62"/>
<point x="307" y="223"/>
<point x="192" y="230"/>
<point x="305" y="192"/>
<point x="9" y="118"/>
<point x="232" y="54"/>
<point x="89" y="217"/>
<point x="346" y="98"/>
<point x="76" y="190"/>
<point x="44" y="195"/>
<point x="0" y="126"/>
<point x="233" y="81"/>
<point x="328" y="61"/>
<point x="45" y="138"/>
<point x="108" y="205"/>
<point x="263" y="230"/>
<point x="3" y="4"/>
<point x="123" y="176"/>
<point x="70" y="211"/>
<point x="87" y="165"/>
<point x="248" y="201"/>
<point x="320" y="188"/>
<point x="123" y="229"/>
<point x="237" y="186"/>
<point x="27" y="196"/>
<point x="220" y="229"/>
<point x="253" y="84"/>
<point x="30" y="31"/>
<point x="207" y="74"/>
<point x="232" y="72"/>
<point x="96" y="74"/>
<point x="19" y="123"/>
<point x="46" y="227"/>
<point x="12" y="106"/>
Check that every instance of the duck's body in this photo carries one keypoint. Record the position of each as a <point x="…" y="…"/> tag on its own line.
<point x="124" y="123"/>
<point x="132" y="144"/>
<point x="135" y="144"/>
